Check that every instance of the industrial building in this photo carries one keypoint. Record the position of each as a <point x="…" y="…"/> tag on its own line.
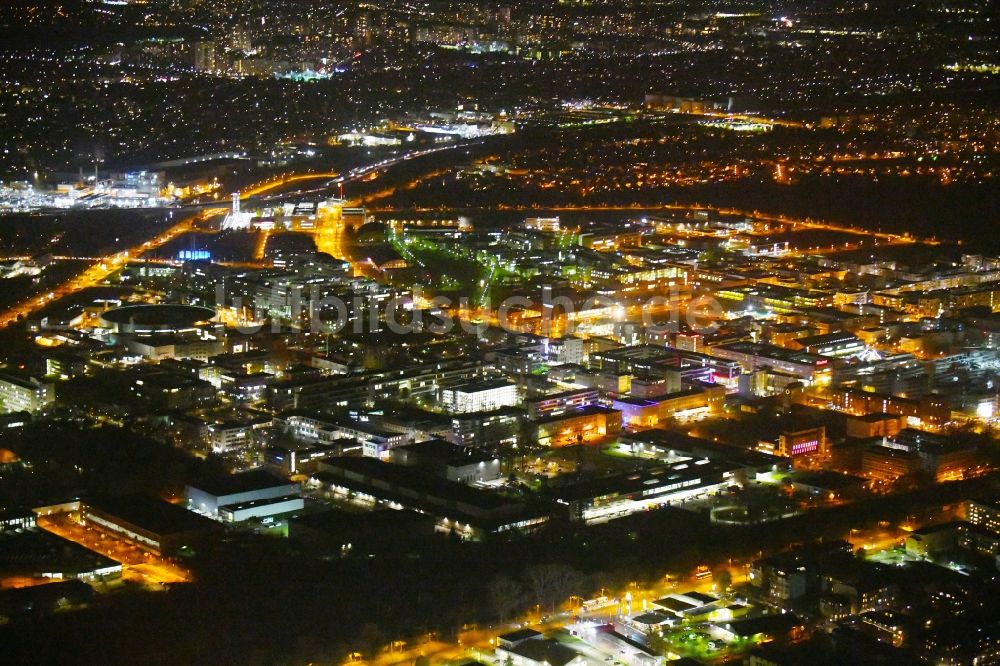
<point x="912" y="450"/>
<point x="35" y="553"/>
<point x="486" y="429"/>
<point x="796" y="442"/>
<point x="150" y="523"/>
<point x="466" y="511"/>
<point x="240" y="497"/>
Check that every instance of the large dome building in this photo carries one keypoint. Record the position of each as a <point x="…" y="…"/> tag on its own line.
<point x="156" y="319"/>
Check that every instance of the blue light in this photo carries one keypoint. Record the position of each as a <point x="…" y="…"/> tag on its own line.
<point x="194" y="255"/>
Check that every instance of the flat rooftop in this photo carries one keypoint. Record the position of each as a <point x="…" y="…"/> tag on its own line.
<point x="520" y="635"/>
<point x="764" y="624"/>
<point x="152" y="514"/>
<point x="649" y="402"/>
<point x="589" y="410"/>
<point x="35" y="551"/>
<point x="412" y="479"/>
<point x="479" y="386"/>
<point x="359" y="526"/>
<point x="270" y="501"/>
<point x="446" y="453"/>
<point x="159" y="316"/>
<point x="827" y="339"/>
<point x="244" y="482"/>
<point x="647" y="481"/>
<point x="773" y="351"/>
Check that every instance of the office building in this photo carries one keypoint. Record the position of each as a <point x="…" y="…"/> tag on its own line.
<point x="480" y="396"/>
<point x="24" y="395"/>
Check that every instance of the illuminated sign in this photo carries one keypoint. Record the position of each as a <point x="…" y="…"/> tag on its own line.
<point x="194" y="255"/>
<point x="805" y="447"/>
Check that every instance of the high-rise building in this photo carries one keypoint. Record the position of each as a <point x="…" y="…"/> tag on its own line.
<point x="363" y="29"/>
<point x="239" y="40"/>
<point x="205" y="57"/>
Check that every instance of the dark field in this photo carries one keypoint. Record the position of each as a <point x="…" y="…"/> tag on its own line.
<point x="79" y="233"/>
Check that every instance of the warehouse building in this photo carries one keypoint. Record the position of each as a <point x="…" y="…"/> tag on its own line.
<point x="461" y="509"/>
<point x="150" y="523"/>
<point x="240" y="497"/>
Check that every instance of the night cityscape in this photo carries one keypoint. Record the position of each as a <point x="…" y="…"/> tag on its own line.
<point x="538" y="333"/>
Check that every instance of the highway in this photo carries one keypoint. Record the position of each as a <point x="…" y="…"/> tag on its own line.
<point x="333" y="180"/>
